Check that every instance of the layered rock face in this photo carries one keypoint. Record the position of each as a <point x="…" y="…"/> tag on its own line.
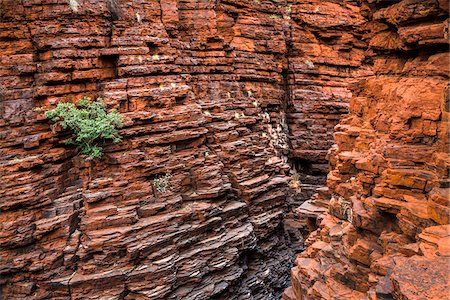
<point x="386" y="233"/>
<point x="235" y="100"/>
<point x="326" y="54"/>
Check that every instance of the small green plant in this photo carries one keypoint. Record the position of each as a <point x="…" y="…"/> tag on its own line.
<point x="162" y="182"/>
<point x="309" y="63"/>
<point x="90" y="124"/>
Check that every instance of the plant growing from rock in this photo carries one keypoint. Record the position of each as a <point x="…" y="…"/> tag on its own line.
<point x="162" y="182"/>
<point x="295" y="184"/>
<point x="90" y="124"/>
<point x="73" y="4"/>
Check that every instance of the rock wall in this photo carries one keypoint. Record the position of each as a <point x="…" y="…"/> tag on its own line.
<point x="326" y="54"/>
<point x="386" y="232"/>
<point x="236" y="100"/>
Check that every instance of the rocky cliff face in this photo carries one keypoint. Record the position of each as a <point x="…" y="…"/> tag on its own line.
<point x="236" y="100"/>
<point x="326" y="54"/>
<point x="386" y="233"/>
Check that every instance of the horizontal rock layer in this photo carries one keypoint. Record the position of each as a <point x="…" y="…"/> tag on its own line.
<point x="237" y="100"/>
<point x="385" y="234"/>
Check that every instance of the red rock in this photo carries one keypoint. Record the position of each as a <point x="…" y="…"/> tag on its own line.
<point x="99" y="228"/>
<point x="408" y="10"/>
<point x="362" y="250"/>
<point x="239" y="101"/>
<point x="389" y="167"/>
<point x="424" y="34"/>
<point x="421" y="278"/>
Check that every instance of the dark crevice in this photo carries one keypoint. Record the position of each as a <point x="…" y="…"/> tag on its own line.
<point x="110" y="62"/>
<point x="152" y="48"/>
<point x="114" y="9"/>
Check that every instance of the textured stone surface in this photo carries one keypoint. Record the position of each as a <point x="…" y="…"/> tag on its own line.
<point x="327" y="54"/>
<point x="325" y="57"/>
<point x="385" y="234"/>
<point x="236" y="99"/>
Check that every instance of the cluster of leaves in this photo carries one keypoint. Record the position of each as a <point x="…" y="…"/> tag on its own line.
<point x="90" y="124"/>
<point x="162" y="182"/>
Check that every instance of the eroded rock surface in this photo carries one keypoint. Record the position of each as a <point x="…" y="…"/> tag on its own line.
<point x="237" y="100"/>
<point x="385" y="234"/>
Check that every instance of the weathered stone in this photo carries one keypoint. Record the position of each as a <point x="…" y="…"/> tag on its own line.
<point x="420" y="278"/>
<point x="389" y="167"/>
<point x="202" y="88"/>
<point x="239" y="101"/>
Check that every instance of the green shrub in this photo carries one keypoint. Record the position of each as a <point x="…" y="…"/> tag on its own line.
<point x="90" y="124"/>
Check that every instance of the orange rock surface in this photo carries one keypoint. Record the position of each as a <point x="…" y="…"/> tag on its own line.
<point x="240" y="101"/>
<point x="236" y="99"/>
<point x="385" y="234"/>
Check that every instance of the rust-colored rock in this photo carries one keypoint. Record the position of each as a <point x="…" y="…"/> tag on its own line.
<point x="202" y="86"/>
<point x="389" y="169"/>
<point x="236" y="99"/>
<point x="239" y="101"/>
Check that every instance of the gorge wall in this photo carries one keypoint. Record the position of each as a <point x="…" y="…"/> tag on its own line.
<point x="386" y="232"/>
<point x="237" y="101"/>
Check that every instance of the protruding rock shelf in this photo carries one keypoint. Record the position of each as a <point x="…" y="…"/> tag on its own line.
<point x="386" y="233"/>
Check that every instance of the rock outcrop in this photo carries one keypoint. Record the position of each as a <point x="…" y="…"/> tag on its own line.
<point x="236" y="100"/>
<point x="201" y="88"/>
<point x="326" y="56"/>
<point x="385" y="234"/>
<point x="236" y="103"/>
